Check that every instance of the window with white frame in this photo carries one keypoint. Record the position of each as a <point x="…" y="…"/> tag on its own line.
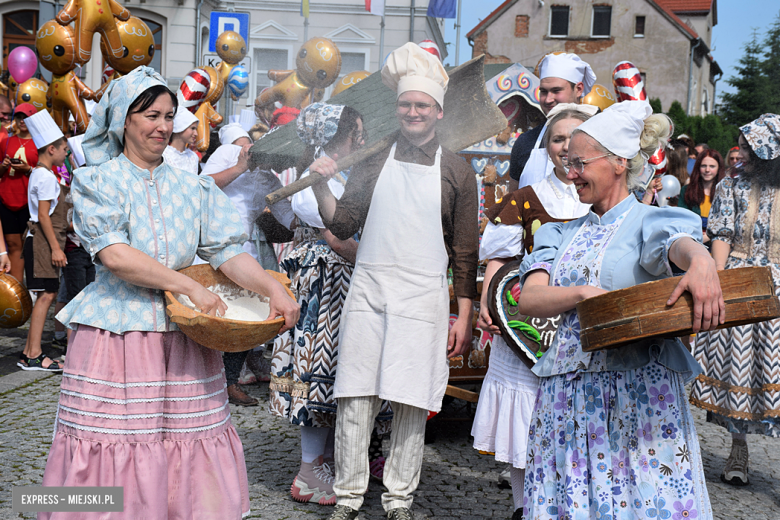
<point x="602" y="21"/>
<point x="265" y="60"/>
<point x="352" y="62"/>
<point x="559" y="20"/>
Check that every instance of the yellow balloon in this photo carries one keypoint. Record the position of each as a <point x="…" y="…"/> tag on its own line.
<point x="350" y="79"/>
<point x="318" y="63"/>
<point x="599" y="96"/>
<point x="32" y="91"/>
<point x="137" y="46"/>
<point x="231" y="47"/>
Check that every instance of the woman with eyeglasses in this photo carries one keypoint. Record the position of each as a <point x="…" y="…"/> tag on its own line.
<point x="320" y="267"/>
<point x="612" y="435"/>
<point x="506" y="400"/>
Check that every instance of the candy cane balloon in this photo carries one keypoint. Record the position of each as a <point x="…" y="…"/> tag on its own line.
<point x="628" y="82"/>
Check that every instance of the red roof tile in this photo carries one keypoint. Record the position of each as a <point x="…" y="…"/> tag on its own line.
<point x="686" y="6"/>
<point x="662" y="4"/>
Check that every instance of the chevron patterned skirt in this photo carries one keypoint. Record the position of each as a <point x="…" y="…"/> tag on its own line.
<point x="305" y="358"/>
<point x="740" y="386"/>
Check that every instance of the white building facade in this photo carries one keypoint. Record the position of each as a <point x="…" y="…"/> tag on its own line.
<point x="277" y="30"/>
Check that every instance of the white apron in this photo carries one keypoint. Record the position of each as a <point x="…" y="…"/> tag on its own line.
<point x="393" y="341"/>
<point x="539" y="165"/>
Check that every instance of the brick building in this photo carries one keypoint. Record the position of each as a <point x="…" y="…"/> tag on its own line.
<point x="668" y="40"/>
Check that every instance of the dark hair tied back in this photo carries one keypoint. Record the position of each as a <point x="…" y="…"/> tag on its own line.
<point x="148" y="97"/>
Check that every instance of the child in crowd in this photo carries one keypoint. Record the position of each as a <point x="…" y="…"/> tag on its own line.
<point x="43" y="247"/>
<point x="79" y="271"/>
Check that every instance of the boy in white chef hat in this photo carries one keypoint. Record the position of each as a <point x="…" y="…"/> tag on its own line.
<point x="417" y="204"/>
<point x="43" y="247"/>
<point x="563" y="78"/>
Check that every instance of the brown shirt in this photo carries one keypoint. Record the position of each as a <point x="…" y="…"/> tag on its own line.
<point x="459" y="205"/>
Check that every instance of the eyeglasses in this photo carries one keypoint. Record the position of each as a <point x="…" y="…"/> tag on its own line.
<point x="577" y="164"/>
<point x="421" y="108"/>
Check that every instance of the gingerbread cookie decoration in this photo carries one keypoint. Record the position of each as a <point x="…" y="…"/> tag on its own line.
<point x="317" y="66"/>
<point x="90" y="17"/>
<point x="55" y="44"/>
<point x="231" y="48"/>
<point x="137" y="50"/>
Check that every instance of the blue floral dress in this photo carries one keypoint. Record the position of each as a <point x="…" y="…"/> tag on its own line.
<point x="612" y="436"/>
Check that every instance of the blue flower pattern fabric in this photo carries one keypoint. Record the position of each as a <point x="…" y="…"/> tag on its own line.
<point x="581" y="265"/>
<point x="615" y="446"/>
<point x="171" y="217"/>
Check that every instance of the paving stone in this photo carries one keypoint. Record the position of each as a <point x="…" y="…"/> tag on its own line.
<point x="456" y="482"/>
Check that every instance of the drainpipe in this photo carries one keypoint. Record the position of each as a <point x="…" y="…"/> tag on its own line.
<point x="411" y="23"/>
<point x="197" y="32"/>
<point x="714" y="93"/>
<point x="690" y="76"/>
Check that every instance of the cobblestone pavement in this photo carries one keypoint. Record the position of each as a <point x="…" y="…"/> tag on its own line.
<point x="457" y="482"/>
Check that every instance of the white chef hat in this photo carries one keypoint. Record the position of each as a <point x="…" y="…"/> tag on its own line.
<point x="184" y="118"/>
<point x="411" y="68"/>
<point x="569" y="67"/>
<point x="78" y="153"/>
<point x="560" y="107"/>
<point x="43" y="129"/>
<point x="229" y="133"/>
<point x="619" y="127"/>
<point x="247" y="119"/>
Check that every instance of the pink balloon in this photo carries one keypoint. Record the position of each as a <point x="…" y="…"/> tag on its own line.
<point x="22" y="64"/>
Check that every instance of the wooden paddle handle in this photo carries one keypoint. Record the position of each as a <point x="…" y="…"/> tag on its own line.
<point x="341" y="165"/>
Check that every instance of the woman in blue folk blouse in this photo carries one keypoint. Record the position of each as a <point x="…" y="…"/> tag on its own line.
<point x="142" y="406"/>
<point x="611" y="435"/>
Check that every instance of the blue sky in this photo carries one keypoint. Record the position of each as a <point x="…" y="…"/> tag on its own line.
<point x="736" y="21"/>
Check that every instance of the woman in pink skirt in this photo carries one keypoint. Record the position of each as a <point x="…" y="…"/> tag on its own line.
<point x="142" y="406"/>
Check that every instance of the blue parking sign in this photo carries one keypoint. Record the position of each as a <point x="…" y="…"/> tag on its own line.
<point x="221" y="22"/>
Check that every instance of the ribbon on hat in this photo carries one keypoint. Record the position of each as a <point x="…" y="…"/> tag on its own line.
<point x="619" y="127"/>
<point x="318" y="123"/>
<point x="104" y="137"/>
<point x="569" y="67"/>
<point x="763" y="136"/>
<point x="560" y="107"/>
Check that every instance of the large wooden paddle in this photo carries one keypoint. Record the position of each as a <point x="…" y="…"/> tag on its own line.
<point x="470" y="116"/>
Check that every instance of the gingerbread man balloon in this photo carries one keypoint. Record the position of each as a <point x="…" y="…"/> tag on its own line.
<point x="55" y="44"/>
<point x="316" y="67"/>
<point x="90" y="17"/>
<point x="231" y="47"/>
<point x="137" y="50"/>
<point x="34" y="91"/>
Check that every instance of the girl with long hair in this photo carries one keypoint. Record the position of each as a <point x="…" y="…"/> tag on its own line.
<point x="708" y="171"/>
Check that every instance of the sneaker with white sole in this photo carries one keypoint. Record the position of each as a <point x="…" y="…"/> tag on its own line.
<point x="736" y="470"/>
<point x="343" y="513"/>
<point x="314" y="483"/>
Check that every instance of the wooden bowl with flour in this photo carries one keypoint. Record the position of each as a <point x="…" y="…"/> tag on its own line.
<point x="224" y="333"/>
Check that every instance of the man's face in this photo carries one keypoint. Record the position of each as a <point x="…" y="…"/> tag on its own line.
<point x="417" y="112"/>
<point x="557" y="90"/>
<point x="6" y="112"/>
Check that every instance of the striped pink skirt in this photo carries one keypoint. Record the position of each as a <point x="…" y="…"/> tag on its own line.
<point x="148" y="411"/>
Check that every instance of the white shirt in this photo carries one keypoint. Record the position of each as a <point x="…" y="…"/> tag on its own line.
<point x="248" y="191"/>
<point x="43" y="185"/>
<point x="304" y="203"/>
<point x="186" y="160"/>
<point x="559" y="200"/>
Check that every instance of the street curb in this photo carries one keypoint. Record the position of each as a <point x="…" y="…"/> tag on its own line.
<point x="21" y="379"/>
